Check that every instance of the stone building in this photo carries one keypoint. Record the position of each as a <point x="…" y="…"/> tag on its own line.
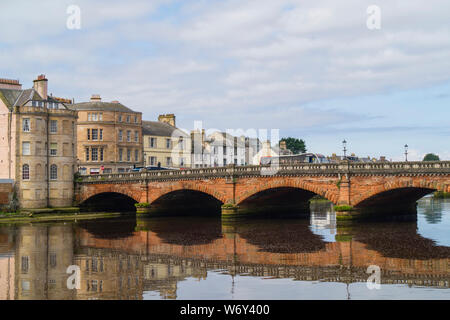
<point x="200" y="149"/>
<point x="164" y="144"/>
<point x="226" y="149"/>
<point x="37" y="146"/>
<point x="252" y="148"/>
<point x="109" y="137"/>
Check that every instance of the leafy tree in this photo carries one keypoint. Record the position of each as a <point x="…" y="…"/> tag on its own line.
<point x="431" y="157"/>
<point x="295" y="145"/>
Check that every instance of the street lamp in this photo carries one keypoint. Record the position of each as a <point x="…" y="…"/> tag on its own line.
<point x="406" y="152"/>
<point x="344" y="143"/>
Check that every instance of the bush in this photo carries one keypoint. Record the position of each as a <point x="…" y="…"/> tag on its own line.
<point x="431" y="157"/>
<point x="142" y="205"/>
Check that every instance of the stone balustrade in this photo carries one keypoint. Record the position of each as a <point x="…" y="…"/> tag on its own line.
<point x="326" y="169"/>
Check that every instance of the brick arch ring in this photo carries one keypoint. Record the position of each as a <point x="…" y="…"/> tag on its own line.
<point x="154" y="195"/>
<point x="326" y="192"/>
<point x="119" y="189"/>
<point x="400" y="184"/>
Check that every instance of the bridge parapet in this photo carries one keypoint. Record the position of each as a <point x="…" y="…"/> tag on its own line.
<point x="326" y="169"/>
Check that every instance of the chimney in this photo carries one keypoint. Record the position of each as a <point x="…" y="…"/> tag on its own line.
<point x="41" y="86"/>
<point x="96" y="98"/>
<point x="167" y="118"/>
<point x="10" y="84"/>
<point x="115" y="101"/>
<point x="283" y="145"/>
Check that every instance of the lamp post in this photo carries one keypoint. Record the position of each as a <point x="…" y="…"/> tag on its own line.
<point x="344" y="143"/>
<point x="406" y="152"/>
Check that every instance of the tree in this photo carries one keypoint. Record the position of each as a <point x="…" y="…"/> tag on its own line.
<point x="431" y="157"/>
<point x="295" y="145"/>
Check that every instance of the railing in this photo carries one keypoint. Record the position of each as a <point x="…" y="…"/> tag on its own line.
<point x="399" y="168"/>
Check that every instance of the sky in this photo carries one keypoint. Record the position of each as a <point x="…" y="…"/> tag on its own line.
<point x="311" y="69"/>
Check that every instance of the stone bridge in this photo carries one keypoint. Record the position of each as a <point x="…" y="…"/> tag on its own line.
<point x="381" y="186"/>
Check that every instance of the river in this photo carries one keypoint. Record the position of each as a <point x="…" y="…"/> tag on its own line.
<point x="205" y="258"/>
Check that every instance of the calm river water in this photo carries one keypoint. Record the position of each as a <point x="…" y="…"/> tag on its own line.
<point x="204" y="258"/>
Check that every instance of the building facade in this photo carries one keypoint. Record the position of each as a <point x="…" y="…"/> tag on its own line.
<point x="200" y="149"/>
<point x="37" y="146"/>
<point x="109" y="137"/>
<point x="226" y="149"/>
<point x="165" y="145"/>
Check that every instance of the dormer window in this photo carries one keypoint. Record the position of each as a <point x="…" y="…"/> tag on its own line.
<point x="55" y="105"/>
<point x="34" y="103"/>
<point x="40" y="104"/>
<point x="50" y="105"/>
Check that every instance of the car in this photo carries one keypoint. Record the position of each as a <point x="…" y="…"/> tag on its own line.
<point x="158" y="168"/>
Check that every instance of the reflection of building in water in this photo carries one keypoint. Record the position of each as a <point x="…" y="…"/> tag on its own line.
<point x="324" y="220"/>
<point x="126" y="267"/>
<point x="43" y="254"/>
<point x="113" y="274"/>
<point x="109" y="274"/>
<point x="322" y="216"/>
<point x="432" y="210"/>
<point x="7" y="276"/>
<point x="162" y="276"/>
<point x="7" y="261"/>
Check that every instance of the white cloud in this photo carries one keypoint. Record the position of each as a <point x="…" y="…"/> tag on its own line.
<point x="229" y="60"/>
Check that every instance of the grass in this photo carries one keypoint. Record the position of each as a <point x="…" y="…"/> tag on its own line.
<point x="441" y="195"/>
<point x="142" y="205"/>
<point x="228" y="206"/>
<point x="21" y="218"/>
<point x="343" y="208"/>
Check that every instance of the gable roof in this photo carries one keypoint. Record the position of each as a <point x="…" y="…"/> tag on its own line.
<point x="13" y="97"/>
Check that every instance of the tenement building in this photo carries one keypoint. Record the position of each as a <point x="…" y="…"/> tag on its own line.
<point x="164" y="144"/>
<point x="37" y="146"/>
<point x="109" y="137"/>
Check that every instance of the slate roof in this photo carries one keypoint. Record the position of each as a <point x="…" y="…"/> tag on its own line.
<point x="101" y="106"/>
<point x="161" y="129"/>
<point x="13" y="97"/>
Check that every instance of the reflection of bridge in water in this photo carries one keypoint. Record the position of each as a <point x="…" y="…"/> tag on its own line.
<point x="125" y="261"/>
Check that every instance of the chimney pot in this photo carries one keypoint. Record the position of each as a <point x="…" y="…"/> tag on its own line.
<point x="96" y="97"/>
<point x="167" y="118"/>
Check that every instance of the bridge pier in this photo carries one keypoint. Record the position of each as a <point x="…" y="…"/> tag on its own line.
<point x="297" y="210"/>
<point x="404" y="211"/>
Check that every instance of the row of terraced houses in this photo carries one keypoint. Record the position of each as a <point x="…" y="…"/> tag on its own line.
<point x="45" y="140"/>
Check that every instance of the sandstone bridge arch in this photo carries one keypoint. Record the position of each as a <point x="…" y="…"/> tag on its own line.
<point x="354" y="184"/>
<point x="402" y="190"/>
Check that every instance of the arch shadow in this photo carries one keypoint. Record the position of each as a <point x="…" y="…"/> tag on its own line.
<point x="281" y="236"/>
<point x="109" y="228"/>
<point x="397" y="197"/>
<point x="187" y="231"/>
<point x="187" y="202"/>
<point x="109" y="202"/>
<point x="278" y="201"/>
<point x="397" y="240"/>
